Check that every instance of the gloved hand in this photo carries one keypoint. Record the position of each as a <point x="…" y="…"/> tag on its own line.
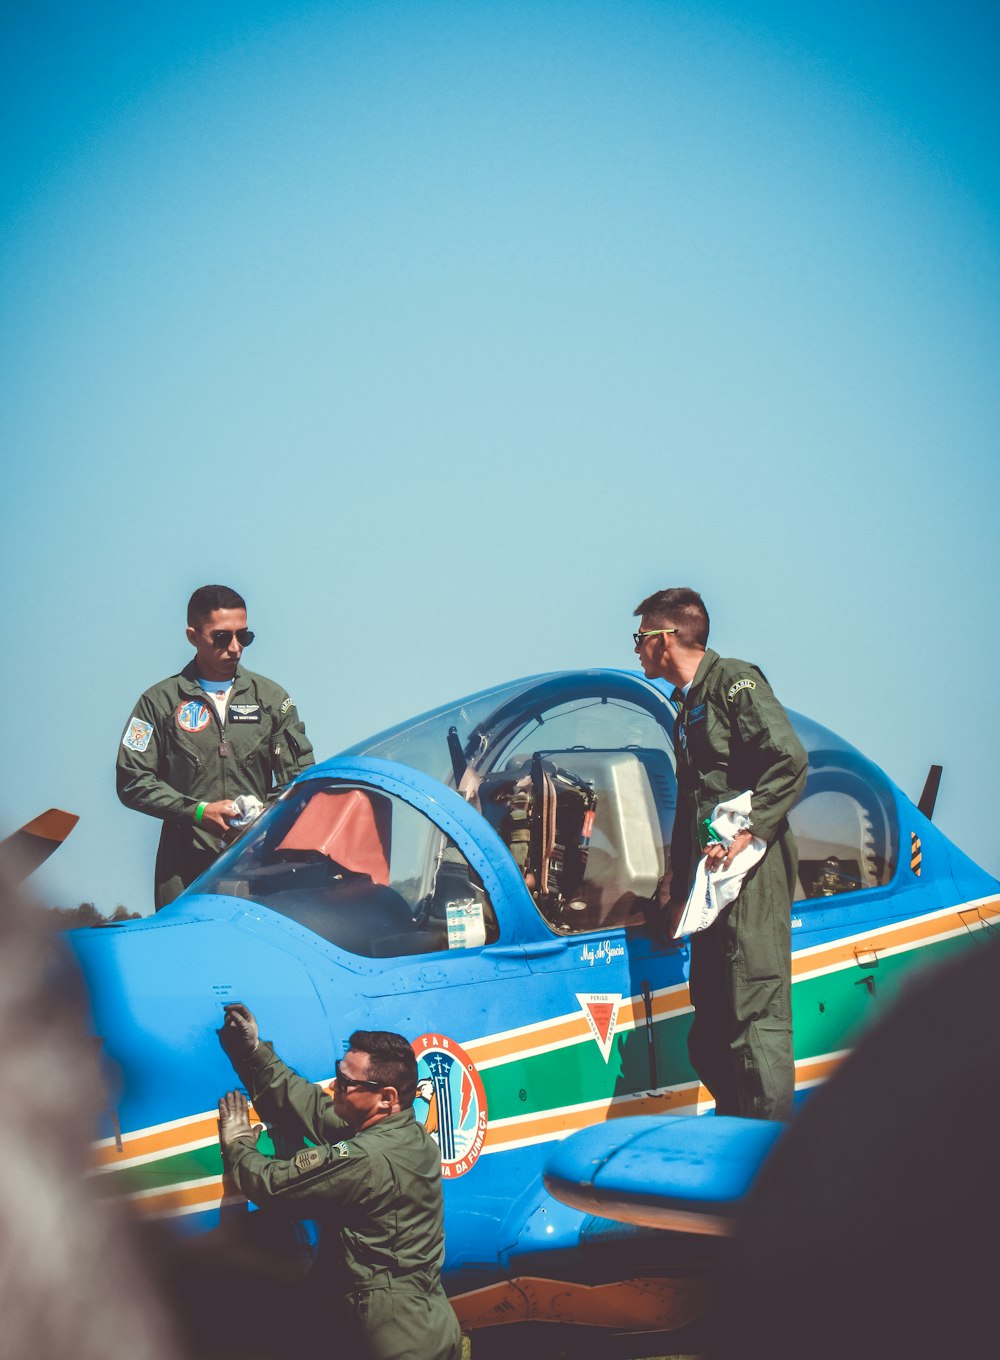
<point x="234" y="1119"/>
<point x="239" y="1034"/>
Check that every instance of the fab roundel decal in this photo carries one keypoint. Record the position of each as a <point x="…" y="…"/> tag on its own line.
<point x="450" y="1094"/>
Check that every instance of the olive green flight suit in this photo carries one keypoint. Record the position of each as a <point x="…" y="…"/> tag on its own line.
<point x="176" y="753"/>
<point x="732" y="735"/>
<point x="377" y="1197"/>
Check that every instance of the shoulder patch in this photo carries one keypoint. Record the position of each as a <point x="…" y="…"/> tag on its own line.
<point x="307" y="1159"/>
<point x="342" y="1149"/>
<point x="286" y="706"/>
<point x="733" y="690"/>
<point x="138" y="735"/>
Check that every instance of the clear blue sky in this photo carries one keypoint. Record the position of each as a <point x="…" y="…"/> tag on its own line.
<point x="446" y="331"/>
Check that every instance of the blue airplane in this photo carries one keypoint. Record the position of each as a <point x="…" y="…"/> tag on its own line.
<point x="478" y="878"/>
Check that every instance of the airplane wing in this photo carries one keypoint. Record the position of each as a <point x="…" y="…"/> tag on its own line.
<point x="678" y="1173"/>
<point x="25" y="849"/>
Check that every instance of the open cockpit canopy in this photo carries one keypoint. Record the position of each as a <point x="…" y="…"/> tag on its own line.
<point x="575" y="773"/>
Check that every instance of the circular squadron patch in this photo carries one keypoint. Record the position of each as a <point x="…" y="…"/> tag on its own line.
<point x="451" y="1095"/>
<point x="193" y="716"/>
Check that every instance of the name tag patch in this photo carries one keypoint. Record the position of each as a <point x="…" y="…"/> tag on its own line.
<point x="244" y="713"/>
<point x="740" y="684"/>
<point x="138" y="735"/>
<point x="696" y="715"/>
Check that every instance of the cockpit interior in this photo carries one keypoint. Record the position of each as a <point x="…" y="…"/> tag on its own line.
<point x="575" y="773"/>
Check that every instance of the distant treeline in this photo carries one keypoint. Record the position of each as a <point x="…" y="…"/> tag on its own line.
<point x="86" y="914"/>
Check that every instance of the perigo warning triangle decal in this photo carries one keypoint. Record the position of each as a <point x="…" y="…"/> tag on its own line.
<point x="601" y="1010"/>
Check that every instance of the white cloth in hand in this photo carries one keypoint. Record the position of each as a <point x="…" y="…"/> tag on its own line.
<point x="715" y="889"/>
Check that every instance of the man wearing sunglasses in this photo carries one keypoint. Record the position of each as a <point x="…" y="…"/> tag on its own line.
<point x="371" y="1180"/>
<point x="731" y="736"/>
<point x="199" y="740"/>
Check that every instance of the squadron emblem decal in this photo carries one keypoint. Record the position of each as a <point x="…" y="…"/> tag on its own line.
<point x="193" y="716"/>
<point x="601" y="1010"/>
<point x="452" y="1089"/>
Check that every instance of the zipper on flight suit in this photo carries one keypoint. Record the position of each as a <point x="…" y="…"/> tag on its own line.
<point x="223" y="750"/>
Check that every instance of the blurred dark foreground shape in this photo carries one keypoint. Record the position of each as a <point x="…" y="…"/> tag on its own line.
<point x="872" y="1230"/>
<point x="70" y="1285"/>
<point x="77" y="1279"/>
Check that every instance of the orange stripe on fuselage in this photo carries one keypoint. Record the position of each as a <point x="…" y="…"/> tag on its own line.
<point x="924" y="930"/>
<point x="574" y="1027"/>
<point x="198" y="1131"/>
<point x="202" y="1129"/>
<point x="671" y="1100"/>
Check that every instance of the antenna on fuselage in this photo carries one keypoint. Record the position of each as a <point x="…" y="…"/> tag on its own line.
<point x="929" y="796"/>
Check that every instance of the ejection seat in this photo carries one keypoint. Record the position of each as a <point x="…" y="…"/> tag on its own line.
<point x="618" y="832"/>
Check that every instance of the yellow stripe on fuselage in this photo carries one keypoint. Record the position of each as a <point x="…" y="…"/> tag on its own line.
<point x="518" y="1044"/>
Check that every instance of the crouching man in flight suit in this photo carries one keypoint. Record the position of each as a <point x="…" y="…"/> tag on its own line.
<point x="372" y="1183"/>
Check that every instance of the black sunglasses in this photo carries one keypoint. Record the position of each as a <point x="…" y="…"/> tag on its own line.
<point x="346" y="1082"/>
<point x="222" y="637"/>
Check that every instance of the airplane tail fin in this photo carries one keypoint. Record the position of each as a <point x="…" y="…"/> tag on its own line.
<point x="25" y="849"/>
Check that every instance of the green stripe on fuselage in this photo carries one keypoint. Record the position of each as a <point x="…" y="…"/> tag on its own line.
<point x="577" y="1073"/>
<point x="829" y="1011"/>
<point x="161" y="1173"/>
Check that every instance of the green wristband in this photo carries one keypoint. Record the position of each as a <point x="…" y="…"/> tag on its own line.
<point x="199" y="811"/>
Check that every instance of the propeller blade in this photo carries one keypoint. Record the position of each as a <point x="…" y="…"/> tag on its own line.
<point x="25" y="849"/>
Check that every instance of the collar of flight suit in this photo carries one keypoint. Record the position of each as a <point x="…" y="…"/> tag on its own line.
<point x="701" y="674"/>
<point x="189" y="678"/>
<point x="391" y="1121"/>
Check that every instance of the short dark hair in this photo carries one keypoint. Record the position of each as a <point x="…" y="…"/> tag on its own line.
<point x="681" y="607"/>
<point x="207" y="599"/>
<point x="391" y="1060"/>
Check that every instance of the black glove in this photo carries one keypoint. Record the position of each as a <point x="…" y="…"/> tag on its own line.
<point x="239" y="1034"/>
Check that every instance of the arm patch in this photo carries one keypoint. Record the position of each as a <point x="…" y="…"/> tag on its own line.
<point x="308" y="1159"/>
<point x="138" y="735"/>
<point x="733" y="690"/>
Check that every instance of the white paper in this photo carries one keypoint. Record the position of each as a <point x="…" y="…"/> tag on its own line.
<point x="466" y="924"/>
